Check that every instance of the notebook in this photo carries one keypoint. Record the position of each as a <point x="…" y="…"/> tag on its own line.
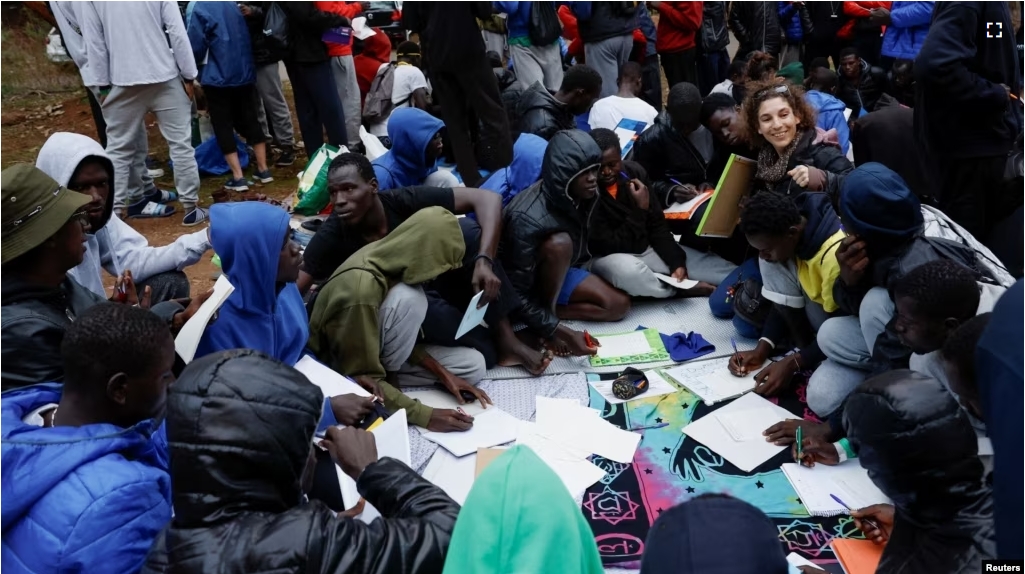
<point x="848" y="481"/>
<point x="857" y="556"/>
<point x="687" y="209"/>
<point x="712" y="380"/>
<point x="630" y="348"/>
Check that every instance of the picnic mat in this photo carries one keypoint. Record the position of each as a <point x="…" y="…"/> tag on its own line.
<point x="670" y="468"/>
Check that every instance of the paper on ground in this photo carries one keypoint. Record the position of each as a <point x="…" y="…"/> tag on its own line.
<point x="745" y="455"/>
<point x="796" y="560"/>
<point x="847" y="480"/>
<point x="187" y="341"/>
<point x="581" y="429"/>
<point x="392" y="438"/>
<point x="575" y="471"/>
<point x="490" y="428"/>
<point x="712" y="380"/>
<point x="452" y="474"/>
<point x="472" y="317"/>
<point x="747" y="424"/>
<point x="671" y="281"/>
<point x="657" y="386"/>
<point x="439" y="399"/>
<point x="624" y="345"/>
<point x="331" y="383"/>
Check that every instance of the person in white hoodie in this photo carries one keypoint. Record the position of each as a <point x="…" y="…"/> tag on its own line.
<point x="80" y="164"/>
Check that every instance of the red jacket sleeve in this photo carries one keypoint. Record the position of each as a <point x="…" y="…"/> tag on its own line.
<point x="683" y="15"/>
<point x="862" y="9"/>
<point x="348" y="9"/>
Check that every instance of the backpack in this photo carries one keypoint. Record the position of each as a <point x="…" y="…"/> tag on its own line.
<point x="275" y="26"/>
<point x="544" y="26"/>
<point x="378" y="105"/>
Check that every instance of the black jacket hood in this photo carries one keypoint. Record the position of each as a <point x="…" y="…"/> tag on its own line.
<point x="569" y="153"/>
<point x="239" y="426"/>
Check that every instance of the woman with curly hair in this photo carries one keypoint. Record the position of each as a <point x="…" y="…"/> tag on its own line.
<point x="793" y="155"/>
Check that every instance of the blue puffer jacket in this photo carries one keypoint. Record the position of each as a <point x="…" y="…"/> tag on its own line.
<point x="909" y="24"/>
<point x="220" y="37"/>
<point x="79" y="499"/>
<point x="790" y="22"/>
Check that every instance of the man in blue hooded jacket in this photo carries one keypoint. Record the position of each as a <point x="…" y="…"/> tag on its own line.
<point x="523" y="172"/>
<point x="415" y="148"/>
<point x="85" y="469"/>
<point x="829" y="110"/>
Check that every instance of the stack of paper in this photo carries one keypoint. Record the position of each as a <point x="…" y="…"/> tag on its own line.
<point x="848" y="481"/>
<point x="331" y="383"/>
<point x="492" y="427"/>
<point x="657" y="386"/>
<point x="392" y="438"/>
<point x="735" y="431"/>
<point x="712" y="380"/>
<point x="571" y="465"/>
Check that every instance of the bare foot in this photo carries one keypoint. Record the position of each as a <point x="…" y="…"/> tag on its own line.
<point x="573" y="343"/>
<point x="534" y="361"/>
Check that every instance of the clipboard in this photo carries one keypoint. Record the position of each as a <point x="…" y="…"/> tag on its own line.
<point x="723" y="212"/>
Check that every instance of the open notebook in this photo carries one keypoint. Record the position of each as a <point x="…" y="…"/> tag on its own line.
<point x="848" y="481"/>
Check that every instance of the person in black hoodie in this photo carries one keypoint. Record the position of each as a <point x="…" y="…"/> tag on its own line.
<point x="756" y="26"/>
<point x="860" y="85"/>
<point x="239" y="496"/>
<point x="635" y="242"/>
<point x="606" y="29"/>
<point x="266" y="55"/>
<point x="968" y="112"/>
<point x="921" y="452"/>
<point x="543" y="114"/>
<point x="463" y="82"/>
<point x="309" y="70"/>
<point x="545" y="233"/>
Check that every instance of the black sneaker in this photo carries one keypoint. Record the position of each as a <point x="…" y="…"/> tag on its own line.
<point x="286" y="159"/>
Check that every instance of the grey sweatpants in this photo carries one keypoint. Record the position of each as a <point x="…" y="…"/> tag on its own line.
<point x="344" y="71"/>
<point x="272" y="96"/>
<point x="606" y="57"/>
<point x="634" y="274"/>
<point x="401" y="315"/>
<point x="537" y="64"/>
<point x="123" y="110"/>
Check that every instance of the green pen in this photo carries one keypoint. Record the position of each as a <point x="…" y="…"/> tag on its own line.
<point x="800" y="454"/>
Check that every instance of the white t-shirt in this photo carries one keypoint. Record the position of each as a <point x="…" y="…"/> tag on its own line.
<point x="406" y="80"/>
<point x="607" y="112"/>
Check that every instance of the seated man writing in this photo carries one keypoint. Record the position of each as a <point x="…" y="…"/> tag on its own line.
<point x="80" y="164"/>
<point x="239" y="501"/>
<point x="544" y="247"/>
<point x="85" y="470"/>
<point x="634" y="243"/>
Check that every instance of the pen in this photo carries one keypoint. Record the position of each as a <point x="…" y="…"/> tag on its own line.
<point x="644" y="428"/>
<point x="591" y="342"/>
<point x="800" y="448"/>
<point x="625" y="176"/>
<point x="461" y="411"/>
<point x="675" y="182"/>
<point x="849" y="509"/>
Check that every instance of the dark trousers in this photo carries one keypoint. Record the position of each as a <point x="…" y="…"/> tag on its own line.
<point x="972" y="193"/>
<point x="471" y="107"/>
<point x="651" y="82"/>
<point x="233" y="110"/>
<point x="449" y="295"/>
<point x="712" y="69"/>
<point x="680" y="67"/>
<point x="317" y="104"/>
<point x="101" y="124"/>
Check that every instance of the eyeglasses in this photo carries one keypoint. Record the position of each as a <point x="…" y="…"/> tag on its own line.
<point x="780" y="89"/>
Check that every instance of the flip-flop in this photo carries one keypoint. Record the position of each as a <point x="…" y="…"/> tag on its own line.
<point x="152" y="210"/>
<point x="162" y="196"/>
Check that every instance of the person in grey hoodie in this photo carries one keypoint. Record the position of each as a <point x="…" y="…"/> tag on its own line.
<point x="79" y="163"/>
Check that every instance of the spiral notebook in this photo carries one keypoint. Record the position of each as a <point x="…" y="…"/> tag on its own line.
<point x="848" y="480"/>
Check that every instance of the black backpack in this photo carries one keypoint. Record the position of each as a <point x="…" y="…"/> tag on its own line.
<point x="544" y="27"/>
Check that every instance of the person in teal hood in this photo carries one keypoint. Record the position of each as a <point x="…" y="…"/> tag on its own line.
<point x="85" y="464"/>
<point x="266" y="311"/>
<point x="519" y="517"/>
<point x="415" y="148"/>
<point x="523" y="172"/>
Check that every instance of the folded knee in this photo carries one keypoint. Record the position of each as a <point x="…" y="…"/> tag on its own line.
<point x="557" y="245"/>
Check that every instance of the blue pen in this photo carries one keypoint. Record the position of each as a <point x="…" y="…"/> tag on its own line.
<point x="849" y="509"/>
<point x="625" y="176"/>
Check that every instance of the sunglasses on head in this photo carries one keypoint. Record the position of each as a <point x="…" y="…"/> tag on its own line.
<point x="780" y="89"/>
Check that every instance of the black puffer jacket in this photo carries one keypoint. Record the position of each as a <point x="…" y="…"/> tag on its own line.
<point x="608" y="20"/>
<point x="542" y="210"/>
<point x="756" y="26"/>
<point x="34" y="319"/>
<point x="713" y="35"/>
<point x="265" y="50"/>
<point x="306" y="25"/>
<point x="539" y="113"/>
<point x="920" y="450"/>
<point x="810" y="152"/>
<point x="666" y="154"/>
<point x="865" y="95"/>
<point x="239" y="426"/>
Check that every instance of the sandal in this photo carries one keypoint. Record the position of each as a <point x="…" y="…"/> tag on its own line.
<point x="149" y="210"/>
<point x="158" y="195"/>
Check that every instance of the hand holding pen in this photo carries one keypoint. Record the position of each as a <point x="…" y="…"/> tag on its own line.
<point x="876" y="521"/>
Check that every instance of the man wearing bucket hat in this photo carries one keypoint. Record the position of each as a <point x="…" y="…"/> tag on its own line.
<point x="43" y="232"/>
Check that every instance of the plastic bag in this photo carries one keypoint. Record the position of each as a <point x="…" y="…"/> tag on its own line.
<point x="311" y="197"/>
<point x="210" y="160"/>
<point x="275" y="25"/>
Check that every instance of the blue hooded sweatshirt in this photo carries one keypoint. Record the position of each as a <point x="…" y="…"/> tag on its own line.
<point x="220" y="38"/>
<point x="877" y="205"/>
<point x="259" y="314"/>
<point x="410" y="130"/>
<point x="829" y="116"/>
<point x="523" y="172"/>
<point x="78" y="499"/>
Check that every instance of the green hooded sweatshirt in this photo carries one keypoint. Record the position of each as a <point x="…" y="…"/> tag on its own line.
<point x="345" y="331"/>
<point x="519" y="517"/>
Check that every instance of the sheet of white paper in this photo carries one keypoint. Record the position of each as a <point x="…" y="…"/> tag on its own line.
<point x="796" y="560"/>
<point x="848" y="480"/>
<point x="571" y="467"/>
<point x="583" y="430"/>
<point x="847" y="113"/>
<point x="711" y="380"/>
<point x="490" y="428"/>
<point x="747" y="424"/>
<point x="360" y="28"/>
<point x="623" y="345"/>
<point x="657" y="386"/>
<point x="452" y="474"/>
<point x="331" y="383"/>
<point x="688" y="205"/>
<point x="685" y="284"/>
<point x="392" y="438"/>
<point x="985" y="446"/>
<point x="472" y="317"/>
<point x="187" y="341"/>
<point x="439" y="399"/>
<point x="745" y="455"/>
<point x="625" y="136"/>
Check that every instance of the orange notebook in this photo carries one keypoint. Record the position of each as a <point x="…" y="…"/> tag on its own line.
<point x="857" y="556"/>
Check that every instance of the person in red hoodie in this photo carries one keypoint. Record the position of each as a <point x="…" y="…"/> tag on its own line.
<point x="678" y="23"/>
<point x="343" y="68"/>
<point x="376" y="53"/>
